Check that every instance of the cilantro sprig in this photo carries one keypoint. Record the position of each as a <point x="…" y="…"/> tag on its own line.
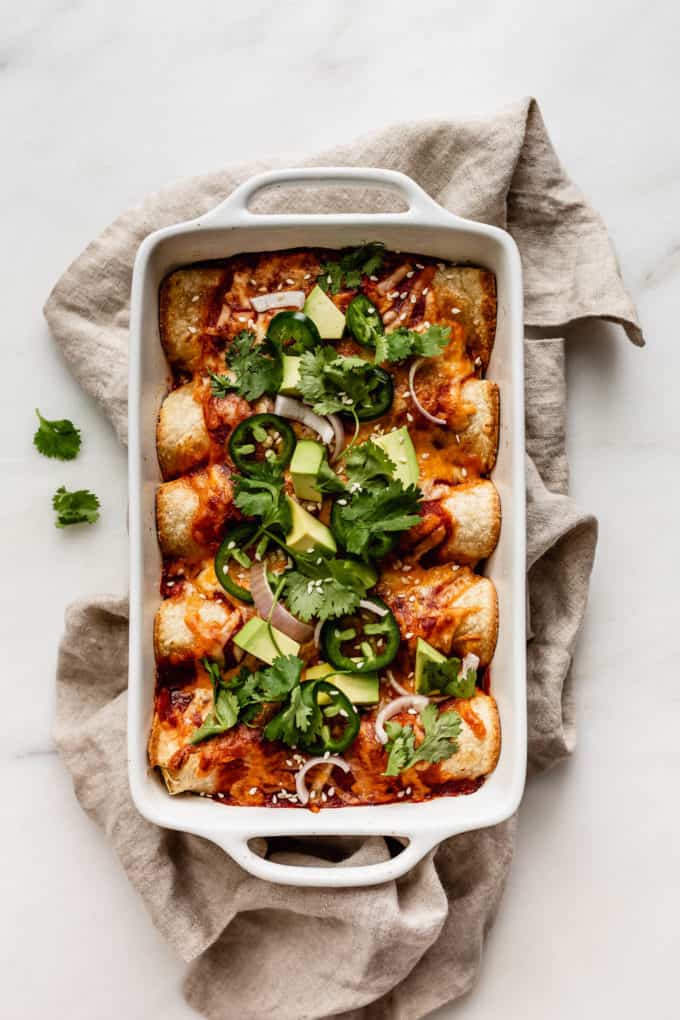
<point x="346" y="273"/>
<point x="323" y="587"/>
<point x="79" y="507"/>
<point x="448" y="678"/>
<point x="331" y="382"/>
<point x="241" y="697"/>
<point x="403" y="343"/>
<point x="264" y="497"/>
<point x="59" y="439"/>
<point x="256" y="368"/>
<point x="439" y="742"/>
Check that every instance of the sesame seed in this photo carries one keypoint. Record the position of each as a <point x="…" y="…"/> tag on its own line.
<point x="419" y="265"/>
<point x="457" y="438"/>
<point x="242" y="318"/>
<point x="409" y="416"/>
<point x="289" y="762"/>
<point x="192" y="329"/>
<point x="413" y="711"/>
<point x="331" y="791"/>
<point x="252" y="790"/>
<point x="408" y="635"/>
<point x="275" y="799"/>
<point x="463" y="472"/>
<point x="414" y="298"/>
<point x="403" y="294"/>
<point x="194" y="299"/>
<point x="400" y="794"/>
<point x="425" y="291"/>
<point x="455" y="311"/>
<point x="402" y="316"/>
<point x="426" y="324"/>
<point x="411" y="598"/>
<point x="307" y="276"/>
<point x="327" y="754"/>
<point x="290" y="282"/>
<point x="324" y="798"/>
<point x="408" y="567"/>
<point x="409" y="275"/>
<point x="262" y="290"/>
<point x="342" y="502"/>
<point x="253" y="283"/>
<point x="409" y="791"/>
<point x="425" y="456"/>
<point x="478" y="361"/>
<point x="374" y="278"/>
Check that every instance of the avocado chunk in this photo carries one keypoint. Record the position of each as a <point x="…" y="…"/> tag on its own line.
<point x="290" y="378"/>
<point x="360" y="688"/>
<point x="307" y="533"/>
<point x="255" y="637"/>
<point x="304" y="469"/>
<point x="328" y="319"/>
<point x="425" y="653"/>
<point x="400" y="449"/>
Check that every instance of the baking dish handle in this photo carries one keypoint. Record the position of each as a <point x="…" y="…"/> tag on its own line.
<point x="333" y="876"/>
<point x="235" y="208"/>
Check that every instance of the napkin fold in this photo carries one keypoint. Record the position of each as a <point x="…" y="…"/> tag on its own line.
<point x="396" y="951"/>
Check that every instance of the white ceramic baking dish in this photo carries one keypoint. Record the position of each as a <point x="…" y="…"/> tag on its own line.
<point x="425" y="228"/>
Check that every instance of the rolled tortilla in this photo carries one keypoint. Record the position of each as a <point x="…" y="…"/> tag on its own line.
<point x="451" y="607"/>
<point x="466" y="294"/>
<point x="479" y="741"/>
<point x="191" y="625"/>
<point x="481" y="410"/>
<point x="191" y="512"/>
<point x="187" y="301"/>
<point x="460" y="523"/>
<point x="182" y="439"/>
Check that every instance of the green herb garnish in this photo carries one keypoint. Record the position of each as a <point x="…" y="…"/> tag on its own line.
<point x="346" y="273"/>
<point x="403" y="343"/>
<point x="440" y="740"/>
<point x="79" y="507"/>
<point x="256" y="367"/>
<point x="59" y="439"/>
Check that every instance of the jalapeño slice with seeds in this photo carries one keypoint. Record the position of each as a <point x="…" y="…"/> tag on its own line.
<point x="379" y="400"/>
<point x="261" y="441"/>
<point x="364" y="321"/>
<point x="340" y="718"/>
<point x="293" y="332"/>
<point x="363" y="641"/>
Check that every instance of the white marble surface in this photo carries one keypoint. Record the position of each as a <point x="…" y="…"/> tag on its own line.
<point x="103" y="102"/>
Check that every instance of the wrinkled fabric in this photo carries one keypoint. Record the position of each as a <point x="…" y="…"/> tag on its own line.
<point x="399" y="950"/>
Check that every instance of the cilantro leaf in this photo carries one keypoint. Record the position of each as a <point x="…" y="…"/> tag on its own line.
<point x="353" y="263"/>
<point x="298" y="717"/>
<point x="59" y="439"/>
<point x="79" y="507"/>
<point x="327" y="480"/>
<point x="323" y="587"/>
<point x="256" y="367"/>
<point x="371" y="513"/>
<point x="447" y="678"/>
<point x="331" y="382"/>
<point x="439" y="742"/>
<point x="404" y="343"/>
<point x="263" y="497"/>
<point x="366" y="463"/>
<point x="281" y="678"/>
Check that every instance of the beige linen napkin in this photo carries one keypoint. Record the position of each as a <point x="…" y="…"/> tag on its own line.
<point x="399" y="950"/>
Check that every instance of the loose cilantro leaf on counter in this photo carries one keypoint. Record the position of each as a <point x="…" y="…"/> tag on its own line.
<point x="59" y="439"/>
<point x="330" y="382"/>
<point x="404" y="343"/>
<point x="263" y="497"/>
<point x="256" y="367"/>
<point x="446" y="678"/>
<point x="79" y="507"/>
<point x="346" y="273"/>
<point x="440" y="741"/>
<point x="323" y="587"/>
<point x="372" y="512"/>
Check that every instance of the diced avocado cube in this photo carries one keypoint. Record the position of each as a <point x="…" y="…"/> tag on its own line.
<point x="328" y="319"/>
<point x="291" y="376"/>
<point x="304" y="469"/>
<point x="400" y="449"/>
<point x="360" y="688"/>
<point x="425" y="653"/>
<point x="308" y="533"/>
<point x="255" y="637"/>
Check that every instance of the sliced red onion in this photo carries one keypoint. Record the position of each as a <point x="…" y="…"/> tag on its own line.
<point x="339" y="435"/>
<point x="301" y="786"/>
<point x="470" y="661"/>
<point x="412" y="390"/>
<point x="288" y="407"/>
<point x="391" y="281"/>
<point x="317" y="633"/>
<point x="418" y="701"/>
<point x="397" y="686"/>
<point x="279" y="299"/>
<point x="373" y="607"/>
<point x="280" y="617"/>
